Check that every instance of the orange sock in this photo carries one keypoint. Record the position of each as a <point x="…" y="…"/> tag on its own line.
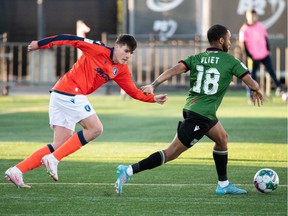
<point x="34" y="160"/>
<point x="71" y="145"/>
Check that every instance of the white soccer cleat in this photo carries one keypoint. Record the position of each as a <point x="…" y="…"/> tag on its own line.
<point x="15" y="176"/>
<point x="51" y="164"/>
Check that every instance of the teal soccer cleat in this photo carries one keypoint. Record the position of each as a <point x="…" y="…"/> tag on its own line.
<point x="122" y="178"/>
<point x="229" y="189"/>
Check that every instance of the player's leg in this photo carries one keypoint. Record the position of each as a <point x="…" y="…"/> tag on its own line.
<point x="34" y="160"/>
<point x="220" y="155"/>
<point x="92" y="128"/>
<point x="61" y="135"/>
<point x="156" y="159"/>
<point x="220" y="150"/>
<point x="189" y="132"/>
<point x="255" y="67"/>
<point x="64" y="112"/>
<point x="15" y="174"/>
<point x="269" y="67"/>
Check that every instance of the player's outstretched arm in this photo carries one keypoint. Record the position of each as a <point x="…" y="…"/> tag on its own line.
<point x="177" y="69"/>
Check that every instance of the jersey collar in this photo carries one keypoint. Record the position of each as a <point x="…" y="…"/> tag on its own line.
<point x="213" y="49"/>
<point x="111" y="52"/>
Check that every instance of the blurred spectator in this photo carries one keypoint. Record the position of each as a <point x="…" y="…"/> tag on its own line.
<point x="253" y="38"/>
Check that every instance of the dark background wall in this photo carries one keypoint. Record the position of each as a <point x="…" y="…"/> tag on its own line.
<point x="232" y="14"/>
<point x="19" y="17"/>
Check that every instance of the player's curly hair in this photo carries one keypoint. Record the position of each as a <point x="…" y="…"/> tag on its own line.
<point x="215" y="32"/>
<point x="127" y="39"/>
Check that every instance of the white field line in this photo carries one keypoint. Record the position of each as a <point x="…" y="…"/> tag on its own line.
<point x="129" y="184"/>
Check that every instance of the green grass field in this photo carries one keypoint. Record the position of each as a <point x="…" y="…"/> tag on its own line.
<point x="132" y="131"/>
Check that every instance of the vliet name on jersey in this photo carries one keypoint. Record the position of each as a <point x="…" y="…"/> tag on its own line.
<point x="210" y="59"/>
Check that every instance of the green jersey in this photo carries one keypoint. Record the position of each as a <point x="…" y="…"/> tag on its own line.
<point x="210" y="75"/>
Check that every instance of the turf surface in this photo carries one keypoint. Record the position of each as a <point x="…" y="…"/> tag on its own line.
<point x="132" y="131"/>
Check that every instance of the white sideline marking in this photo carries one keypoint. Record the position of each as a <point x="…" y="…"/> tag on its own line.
<point x="130" y="184"/>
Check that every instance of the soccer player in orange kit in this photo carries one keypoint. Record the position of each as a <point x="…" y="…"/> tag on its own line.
<point x="69" y="104"/>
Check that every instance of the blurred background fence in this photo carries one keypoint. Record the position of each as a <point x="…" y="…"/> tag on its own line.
<point x="152" y="57"/>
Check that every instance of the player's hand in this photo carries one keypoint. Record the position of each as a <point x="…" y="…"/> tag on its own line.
<point x="257" y="98"/>
<point x="33" y="46"/>
<point x="147" y="89"/>
<point x="161" y="98"/>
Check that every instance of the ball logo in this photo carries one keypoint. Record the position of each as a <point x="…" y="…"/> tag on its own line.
<point x="277" y="8"/>
<point x="87" y="108"/>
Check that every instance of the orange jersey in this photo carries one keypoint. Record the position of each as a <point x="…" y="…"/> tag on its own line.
<point x="93" y="69"/>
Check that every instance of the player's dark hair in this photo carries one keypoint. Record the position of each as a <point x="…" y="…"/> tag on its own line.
<point x="216" y="32"/>
<point x="252" y="11"/>
<point x="127" y="39"/>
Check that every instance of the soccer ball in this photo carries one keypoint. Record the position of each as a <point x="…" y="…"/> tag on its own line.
<point x="266" y="180"/>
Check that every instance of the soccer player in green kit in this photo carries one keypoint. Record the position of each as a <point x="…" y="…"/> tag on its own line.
<point x="210" y="75"/>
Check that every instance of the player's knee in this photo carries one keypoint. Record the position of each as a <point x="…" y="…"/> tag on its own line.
<point x="96" y="132"/>
<point x="93" y="133"/>
<point x="222" y="142"/>
<point x="174" y="151"/>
